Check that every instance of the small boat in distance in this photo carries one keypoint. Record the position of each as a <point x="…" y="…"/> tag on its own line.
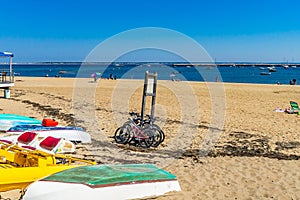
<point x="265" y="73"/>
<point x="272" y="69"/>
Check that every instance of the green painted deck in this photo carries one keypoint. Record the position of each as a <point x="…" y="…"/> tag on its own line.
<point x="98" y="175"/>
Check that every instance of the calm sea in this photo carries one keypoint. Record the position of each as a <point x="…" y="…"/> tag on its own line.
<point x="235" y="74"/>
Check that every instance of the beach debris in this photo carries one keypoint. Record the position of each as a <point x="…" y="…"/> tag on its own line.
<point x="242" y="144"/>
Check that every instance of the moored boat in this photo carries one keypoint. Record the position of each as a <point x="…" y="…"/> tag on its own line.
<point x="272" y="69"/>
<point x="265" y="73"/>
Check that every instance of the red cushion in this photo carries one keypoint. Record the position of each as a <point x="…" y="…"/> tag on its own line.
<point x="27" y="137"/>
<point x="49" y="122"/>
<point x="49" y="142"/>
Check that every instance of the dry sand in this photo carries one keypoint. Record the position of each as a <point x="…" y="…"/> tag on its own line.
<point x="223" y="141"/>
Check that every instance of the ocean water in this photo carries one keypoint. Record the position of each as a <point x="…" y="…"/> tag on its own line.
<point x="166" y="71"/>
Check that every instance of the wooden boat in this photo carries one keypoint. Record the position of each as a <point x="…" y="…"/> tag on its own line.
<point x="74" y="134"/>
<point x="21" y="166"/>
<point x="104" y="181"/>
<point x="9" y="120"/>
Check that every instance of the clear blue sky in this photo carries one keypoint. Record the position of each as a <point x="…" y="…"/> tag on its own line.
<point x="67" y="30"/>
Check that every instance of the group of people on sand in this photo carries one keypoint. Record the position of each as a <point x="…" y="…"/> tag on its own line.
<point x="286" y="110"/>
<point x="97" y="76"/>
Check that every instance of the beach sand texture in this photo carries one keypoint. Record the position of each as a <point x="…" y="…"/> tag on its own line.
<point x="254" y="153"/>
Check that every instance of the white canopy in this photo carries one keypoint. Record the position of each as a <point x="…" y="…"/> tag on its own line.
<point x="10" y="56"/>
<point x="6" y="54"/>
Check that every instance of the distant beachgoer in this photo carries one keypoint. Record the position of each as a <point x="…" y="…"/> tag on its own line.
<point x="110" y="76"/>
<point x="293" y="82"/>
<point x="289" y="110"/>
<point x="94" y="76"/>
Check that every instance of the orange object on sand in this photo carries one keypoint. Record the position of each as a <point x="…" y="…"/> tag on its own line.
<point x="49" y="122"/>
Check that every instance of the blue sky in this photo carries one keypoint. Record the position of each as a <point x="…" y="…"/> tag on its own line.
<point x="231" y="30"/>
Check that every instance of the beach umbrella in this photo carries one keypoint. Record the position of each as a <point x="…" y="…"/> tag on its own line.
<point x="93" y="75"/>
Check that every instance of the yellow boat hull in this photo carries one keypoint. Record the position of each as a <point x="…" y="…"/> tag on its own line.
<point x="20" y="177"/>
<point x="20" y="166"/>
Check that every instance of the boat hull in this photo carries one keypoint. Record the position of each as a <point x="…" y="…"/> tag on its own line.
<point x="20" y="177"/>
<point x="67" y="191"/>
<point x="76" y="136"/>
<point x="129" y="181"/>
<point x="10" y="120"/>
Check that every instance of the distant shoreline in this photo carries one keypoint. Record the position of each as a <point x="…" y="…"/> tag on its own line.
<point x="167" y="63"/>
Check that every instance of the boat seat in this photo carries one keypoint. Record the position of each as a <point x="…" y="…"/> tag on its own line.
<point x="50" y="143"/>
<point x="27" y="138"/>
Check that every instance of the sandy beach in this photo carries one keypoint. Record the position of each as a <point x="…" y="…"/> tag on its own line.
<point x="223" y="140"/>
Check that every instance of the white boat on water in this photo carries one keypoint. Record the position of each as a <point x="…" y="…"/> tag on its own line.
<point x="272" y="69"/>
<point x="265" y="73"/>
<point x="129" y="181"/>
<point x="285" y="66"/>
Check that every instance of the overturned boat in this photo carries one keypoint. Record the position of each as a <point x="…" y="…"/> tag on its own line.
<point x="127" y="181"/>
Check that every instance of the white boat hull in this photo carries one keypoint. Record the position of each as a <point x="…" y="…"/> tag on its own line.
<point x="125" y="181"/>
<point x="70" y="191"/>
<point x="71" y="135"/>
